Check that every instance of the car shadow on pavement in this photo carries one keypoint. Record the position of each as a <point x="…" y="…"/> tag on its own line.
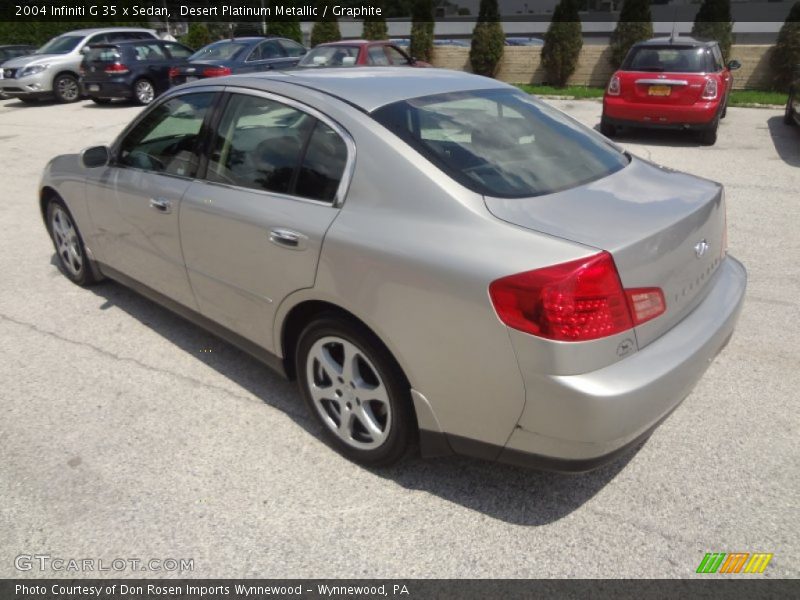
<point x="673" y="138"/>
<point x="786" y="140"/>
<point x="507" y="493"/>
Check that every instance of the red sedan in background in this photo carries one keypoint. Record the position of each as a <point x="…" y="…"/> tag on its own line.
<point x="351" y="53"/>
<point x="670" y="83"/>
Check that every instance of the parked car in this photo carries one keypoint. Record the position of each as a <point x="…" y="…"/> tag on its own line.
<point x="792" y="114"/>
<point x="353" y="53"/>
<point x="459" y="43"/>
<point x="9" y="52"/>
<point x="514" y="287"/>
<point x="138" y="69"/>
<point x="238" y="55"/>
<point x="53" y="69"/>
<point x="670" y="83"/>
<point x="524" y="41"/>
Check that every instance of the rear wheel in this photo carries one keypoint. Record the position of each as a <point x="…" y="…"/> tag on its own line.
<point x="356" y="392"/>
<point x="143" y="91"/>
<point x="787" y="116"/>
<point x="66" y="89"/>
<point x="708" y="137"/>
<point x="68" y="243"/>
<point x="606" y="128"/>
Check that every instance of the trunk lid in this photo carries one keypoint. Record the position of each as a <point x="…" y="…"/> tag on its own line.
<point x="664" y="229"/>
<point x="659" y="89"/>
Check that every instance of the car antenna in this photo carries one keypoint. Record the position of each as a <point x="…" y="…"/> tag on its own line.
<point x="674" y="33"/>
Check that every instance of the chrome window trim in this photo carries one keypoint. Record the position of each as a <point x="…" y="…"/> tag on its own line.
<point x="675" y="82"/>
<point x="349" y="167"/>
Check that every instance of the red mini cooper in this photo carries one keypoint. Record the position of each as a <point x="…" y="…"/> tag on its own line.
<point x="670" y="83"/>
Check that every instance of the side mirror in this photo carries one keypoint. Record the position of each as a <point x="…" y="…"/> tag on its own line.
<point x="96" y="156"/>
<point x="734" y="64"/>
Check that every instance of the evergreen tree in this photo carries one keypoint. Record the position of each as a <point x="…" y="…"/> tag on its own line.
<point x="375" y="27"/>
<point x="634" y="25"/>
<point x="562" y="43"/>
<point x="488" y="40"/>
<point x="713" y="22"/>
<point x="422" y="30"/>
<point x="325" y="30"/>
<point x="197" y="36"/>
<point x="286" y="29"/>
<point x="785" y="56"/>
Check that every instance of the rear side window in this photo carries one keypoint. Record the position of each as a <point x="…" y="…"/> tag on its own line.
<point x="674" y="59"/>
<point x="395" y="56"/>
<point x="502" y="142"/>
<point x="268" y="146"/>
<point x="165" y="140"/>
<point x="292" y="49"/>
<point x="222" y="50"/>
<point x="103" y="54"/>
<point x="265" y="51"/>
<point x="149" y="52"/>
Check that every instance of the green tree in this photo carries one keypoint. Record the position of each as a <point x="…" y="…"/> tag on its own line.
<point x="713" y="22"/>
<point x="488" y="40"/>
<point x="422" y="30"/>
<point x="785" y="56"/>
<point x="327" y="29"/>
<point x="197" y="36"/>
<point x="634" y="25"/>
<point x="375" y="27"/>
<point x="286" y="29"/>
<point x="562" y="43"/>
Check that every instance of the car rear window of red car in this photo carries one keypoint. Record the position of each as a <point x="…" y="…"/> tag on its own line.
<point x="671" y="59"/>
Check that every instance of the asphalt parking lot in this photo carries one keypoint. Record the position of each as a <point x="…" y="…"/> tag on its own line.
<point x="128" y="433"/>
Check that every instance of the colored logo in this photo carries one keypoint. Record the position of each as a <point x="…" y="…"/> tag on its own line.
<point x="736" y="562"/>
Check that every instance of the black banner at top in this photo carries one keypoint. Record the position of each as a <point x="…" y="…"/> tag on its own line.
<point x="116" y="11"/>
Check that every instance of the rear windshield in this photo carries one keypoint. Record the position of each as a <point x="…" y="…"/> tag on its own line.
<point x="63" y="44"/>
<point x="674" y="59"/>
<point x="103" y="54"/>
<point x="223" y="50"/>
<point x="502" y="142"/>
<point x="331" y="56"/>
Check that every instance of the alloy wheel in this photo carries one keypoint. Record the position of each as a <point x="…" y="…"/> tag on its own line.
<point x="348" y="393"/>
<point x="67" y="89"/>
<point x="67" y="242"/>
<point x="144" y="92"/>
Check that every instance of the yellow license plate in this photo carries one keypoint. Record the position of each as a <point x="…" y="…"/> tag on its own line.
<point x="659" y="90"/>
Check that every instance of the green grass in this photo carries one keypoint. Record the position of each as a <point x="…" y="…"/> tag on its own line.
<point x="737" y="97"/>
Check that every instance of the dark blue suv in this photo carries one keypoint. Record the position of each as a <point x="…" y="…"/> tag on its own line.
<point x="134" y="69"/>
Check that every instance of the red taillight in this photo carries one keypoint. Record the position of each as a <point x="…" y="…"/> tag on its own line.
<point x="614" y="86"/>
<point x="216" y="71"/>
<point x="645" y="304"/>
<point x="710" y="91"/>
<point x="116" y="69"/>
<point x="173" y="72"/>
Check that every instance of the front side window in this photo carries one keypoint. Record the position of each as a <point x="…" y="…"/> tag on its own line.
<point x="268" y="146"/>
<point x="377" y="56"/>
<point x="331" y="56"/>
<point x="166" y="139"/>
<point x="265" y="51"/>
<point x="502" y="142"/>
<point x="178" y="51"/>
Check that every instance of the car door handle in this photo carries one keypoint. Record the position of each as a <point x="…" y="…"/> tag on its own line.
<point x="288" y="238"/>
<point x="161" y="205"/>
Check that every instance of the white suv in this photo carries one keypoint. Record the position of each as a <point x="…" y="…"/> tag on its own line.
<point x="53" y="69"/>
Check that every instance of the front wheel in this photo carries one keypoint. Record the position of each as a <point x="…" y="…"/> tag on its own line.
<point x="69" y="246"/>
<point x="66" y="89"/>
<point x="356" y="392"/>
<point x="787" y="115"/>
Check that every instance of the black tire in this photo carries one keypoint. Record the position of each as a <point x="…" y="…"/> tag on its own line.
<point x="607" y="129"/>
<point x="708" y="137"/>
<point x="787" y="115"/>
<point x="399" y="428"/>
<point x="724" y="112"/>
<point x="143" y="91"/>
<point x="101" y="100"/>
<point x="69" y="251"/>
<point x="66" y="88"/>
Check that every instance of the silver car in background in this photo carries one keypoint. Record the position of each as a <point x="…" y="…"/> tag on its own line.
<point x="53" y="70"/>
<point x="438" y="258"/>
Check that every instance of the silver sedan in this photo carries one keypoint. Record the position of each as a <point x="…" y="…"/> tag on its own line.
<point x="440" y="260"/>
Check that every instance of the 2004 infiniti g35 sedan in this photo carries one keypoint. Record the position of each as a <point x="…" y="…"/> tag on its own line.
<point x="439" y="259"/>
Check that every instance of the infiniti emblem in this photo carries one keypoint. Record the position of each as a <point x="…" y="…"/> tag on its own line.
<point x="700" y="248"/>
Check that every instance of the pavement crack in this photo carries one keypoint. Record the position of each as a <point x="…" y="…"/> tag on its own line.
<point x="139" y="363"/>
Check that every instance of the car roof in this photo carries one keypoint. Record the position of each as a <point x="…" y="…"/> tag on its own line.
<point x="676" y="41"/>
<point x="353" y="43"/>
<point x="368" y="88"/>
<point x="85" y="32"/>
<point x="131" y="43"/>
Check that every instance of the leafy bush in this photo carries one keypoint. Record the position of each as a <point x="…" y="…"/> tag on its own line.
<point x="786" y="53"/>
<point x="488" y="40"/>
<point x="562" y="43"/>
<point x="422" y="30"/>
<point x="635" y="24"/>
<point x="713" y="22"/>
<point x="197" y="36"/>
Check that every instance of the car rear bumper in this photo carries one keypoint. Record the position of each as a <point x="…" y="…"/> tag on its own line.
<point x="106" y="89"/>
<point x="579" y="422"/>
<point x="620" y="112"/>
